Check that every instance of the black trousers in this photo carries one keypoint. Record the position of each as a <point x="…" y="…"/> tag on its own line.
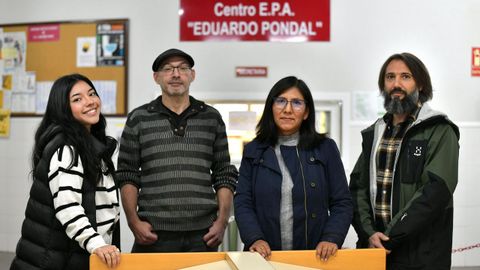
<point x="169" y="241"/>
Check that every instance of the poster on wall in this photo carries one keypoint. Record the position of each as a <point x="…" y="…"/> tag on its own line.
<point x="23" y="92"/>
<point x="107" y="90"/>
<point x="86" y="52"/>
<point x="237" y="20"/>
<point x="4" y="123"/>
<point x="41" y="97"/>
<point x="14" y="51"/>
<point x="1" y="43"/>
<point x="110" y="44"/>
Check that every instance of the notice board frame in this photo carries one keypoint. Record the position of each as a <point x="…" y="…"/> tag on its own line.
<point x="53" y="59"/>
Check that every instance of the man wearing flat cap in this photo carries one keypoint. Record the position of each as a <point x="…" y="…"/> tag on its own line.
<point x="174" y="168"/>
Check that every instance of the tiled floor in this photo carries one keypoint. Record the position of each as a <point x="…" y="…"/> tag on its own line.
<point x="7" y="257"/>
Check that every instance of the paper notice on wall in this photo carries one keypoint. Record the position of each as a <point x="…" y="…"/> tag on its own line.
<point x="4" y="123"/>
<point x="1" y="57"/>
<point x="20" y="86"/>
<point x="44" y="32"/>
<point x="86" y="52"/>
<point x="1" y="69"/>
<point x="107" y="90"/>
<point x="7" y="83"/>
<point x="1" y="46"/>
<point x="5" y="99"/>
<point x="14" y="51"/>
<point x="23" y="82"/>
<point x="41" y="96"/>
<point x="29" y="81"/>
<point x="23" y="102"/>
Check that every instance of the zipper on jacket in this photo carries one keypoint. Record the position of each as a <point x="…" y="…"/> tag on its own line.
<point x="397" y="156"/>
<point x="304" y="198"/>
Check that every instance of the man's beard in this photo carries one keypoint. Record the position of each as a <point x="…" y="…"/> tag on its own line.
<point x="396" y="105"/>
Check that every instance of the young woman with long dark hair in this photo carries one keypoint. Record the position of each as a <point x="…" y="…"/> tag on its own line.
<point x="73" y="209"/>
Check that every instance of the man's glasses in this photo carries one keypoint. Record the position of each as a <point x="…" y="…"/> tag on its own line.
<point x="171" y="69"/>
<point x="281" y="102"/>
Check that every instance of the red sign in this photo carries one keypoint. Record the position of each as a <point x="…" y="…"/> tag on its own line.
<point x="476" y="61"/>
<point x="253" y="20"/>
<point x="251" y="71"/>
<point x="45" y="32"/>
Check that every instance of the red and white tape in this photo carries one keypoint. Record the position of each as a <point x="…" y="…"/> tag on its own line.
<point x="455" y="250"/>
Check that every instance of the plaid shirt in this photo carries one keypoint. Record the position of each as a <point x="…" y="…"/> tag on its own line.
<point x="385" y="159"/>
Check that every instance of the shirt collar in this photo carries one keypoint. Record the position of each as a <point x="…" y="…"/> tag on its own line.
<point x="157" y="106"/>
<point x="388" y="117"/>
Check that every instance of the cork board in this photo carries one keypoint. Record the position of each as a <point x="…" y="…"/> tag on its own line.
<point x="51" y="59"/>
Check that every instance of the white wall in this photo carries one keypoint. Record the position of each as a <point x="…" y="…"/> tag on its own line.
<point x="363" y="35"/>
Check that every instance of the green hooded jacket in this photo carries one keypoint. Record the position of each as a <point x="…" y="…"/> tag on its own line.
<point x="425" y="177"/>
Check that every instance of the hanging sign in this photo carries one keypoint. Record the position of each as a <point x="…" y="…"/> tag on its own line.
<point x="252" y="20"/>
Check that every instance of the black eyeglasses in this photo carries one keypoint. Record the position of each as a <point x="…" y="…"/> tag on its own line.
<point x="281" y="102"/>
<point x="171" y="69"/>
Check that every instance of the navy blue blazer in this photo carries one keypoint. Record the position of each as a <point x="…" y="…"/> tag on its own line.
<point x="322" y="205"/>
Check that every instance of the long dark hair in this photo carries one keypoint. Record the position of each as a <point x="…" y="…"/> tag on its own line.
<point x="267" y="131"/>
<point x="419" y="73"/>
<point x="58" y="118"/>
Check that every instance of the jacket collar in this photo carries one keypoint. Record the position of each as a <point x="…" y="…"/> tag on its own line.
<point x="425" y="115"/>
<point x="255" y="149"/>
<point x="261" y="153"/>
<point x="428" y="114"/>
<point x="264" y="153"/>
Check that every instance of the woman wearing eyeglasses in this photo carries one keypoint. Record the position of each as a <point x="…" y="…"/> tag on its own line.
<point x="292" y="193"/>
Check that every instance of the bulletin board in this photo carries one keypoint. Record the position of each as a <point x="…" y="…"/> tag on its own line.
<point x="51" y="54"/>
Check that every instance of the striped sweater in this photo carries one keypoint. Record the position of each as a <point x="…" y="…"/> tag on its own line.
<point x="66" y="186"/>
<point x="176" y="167"/>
